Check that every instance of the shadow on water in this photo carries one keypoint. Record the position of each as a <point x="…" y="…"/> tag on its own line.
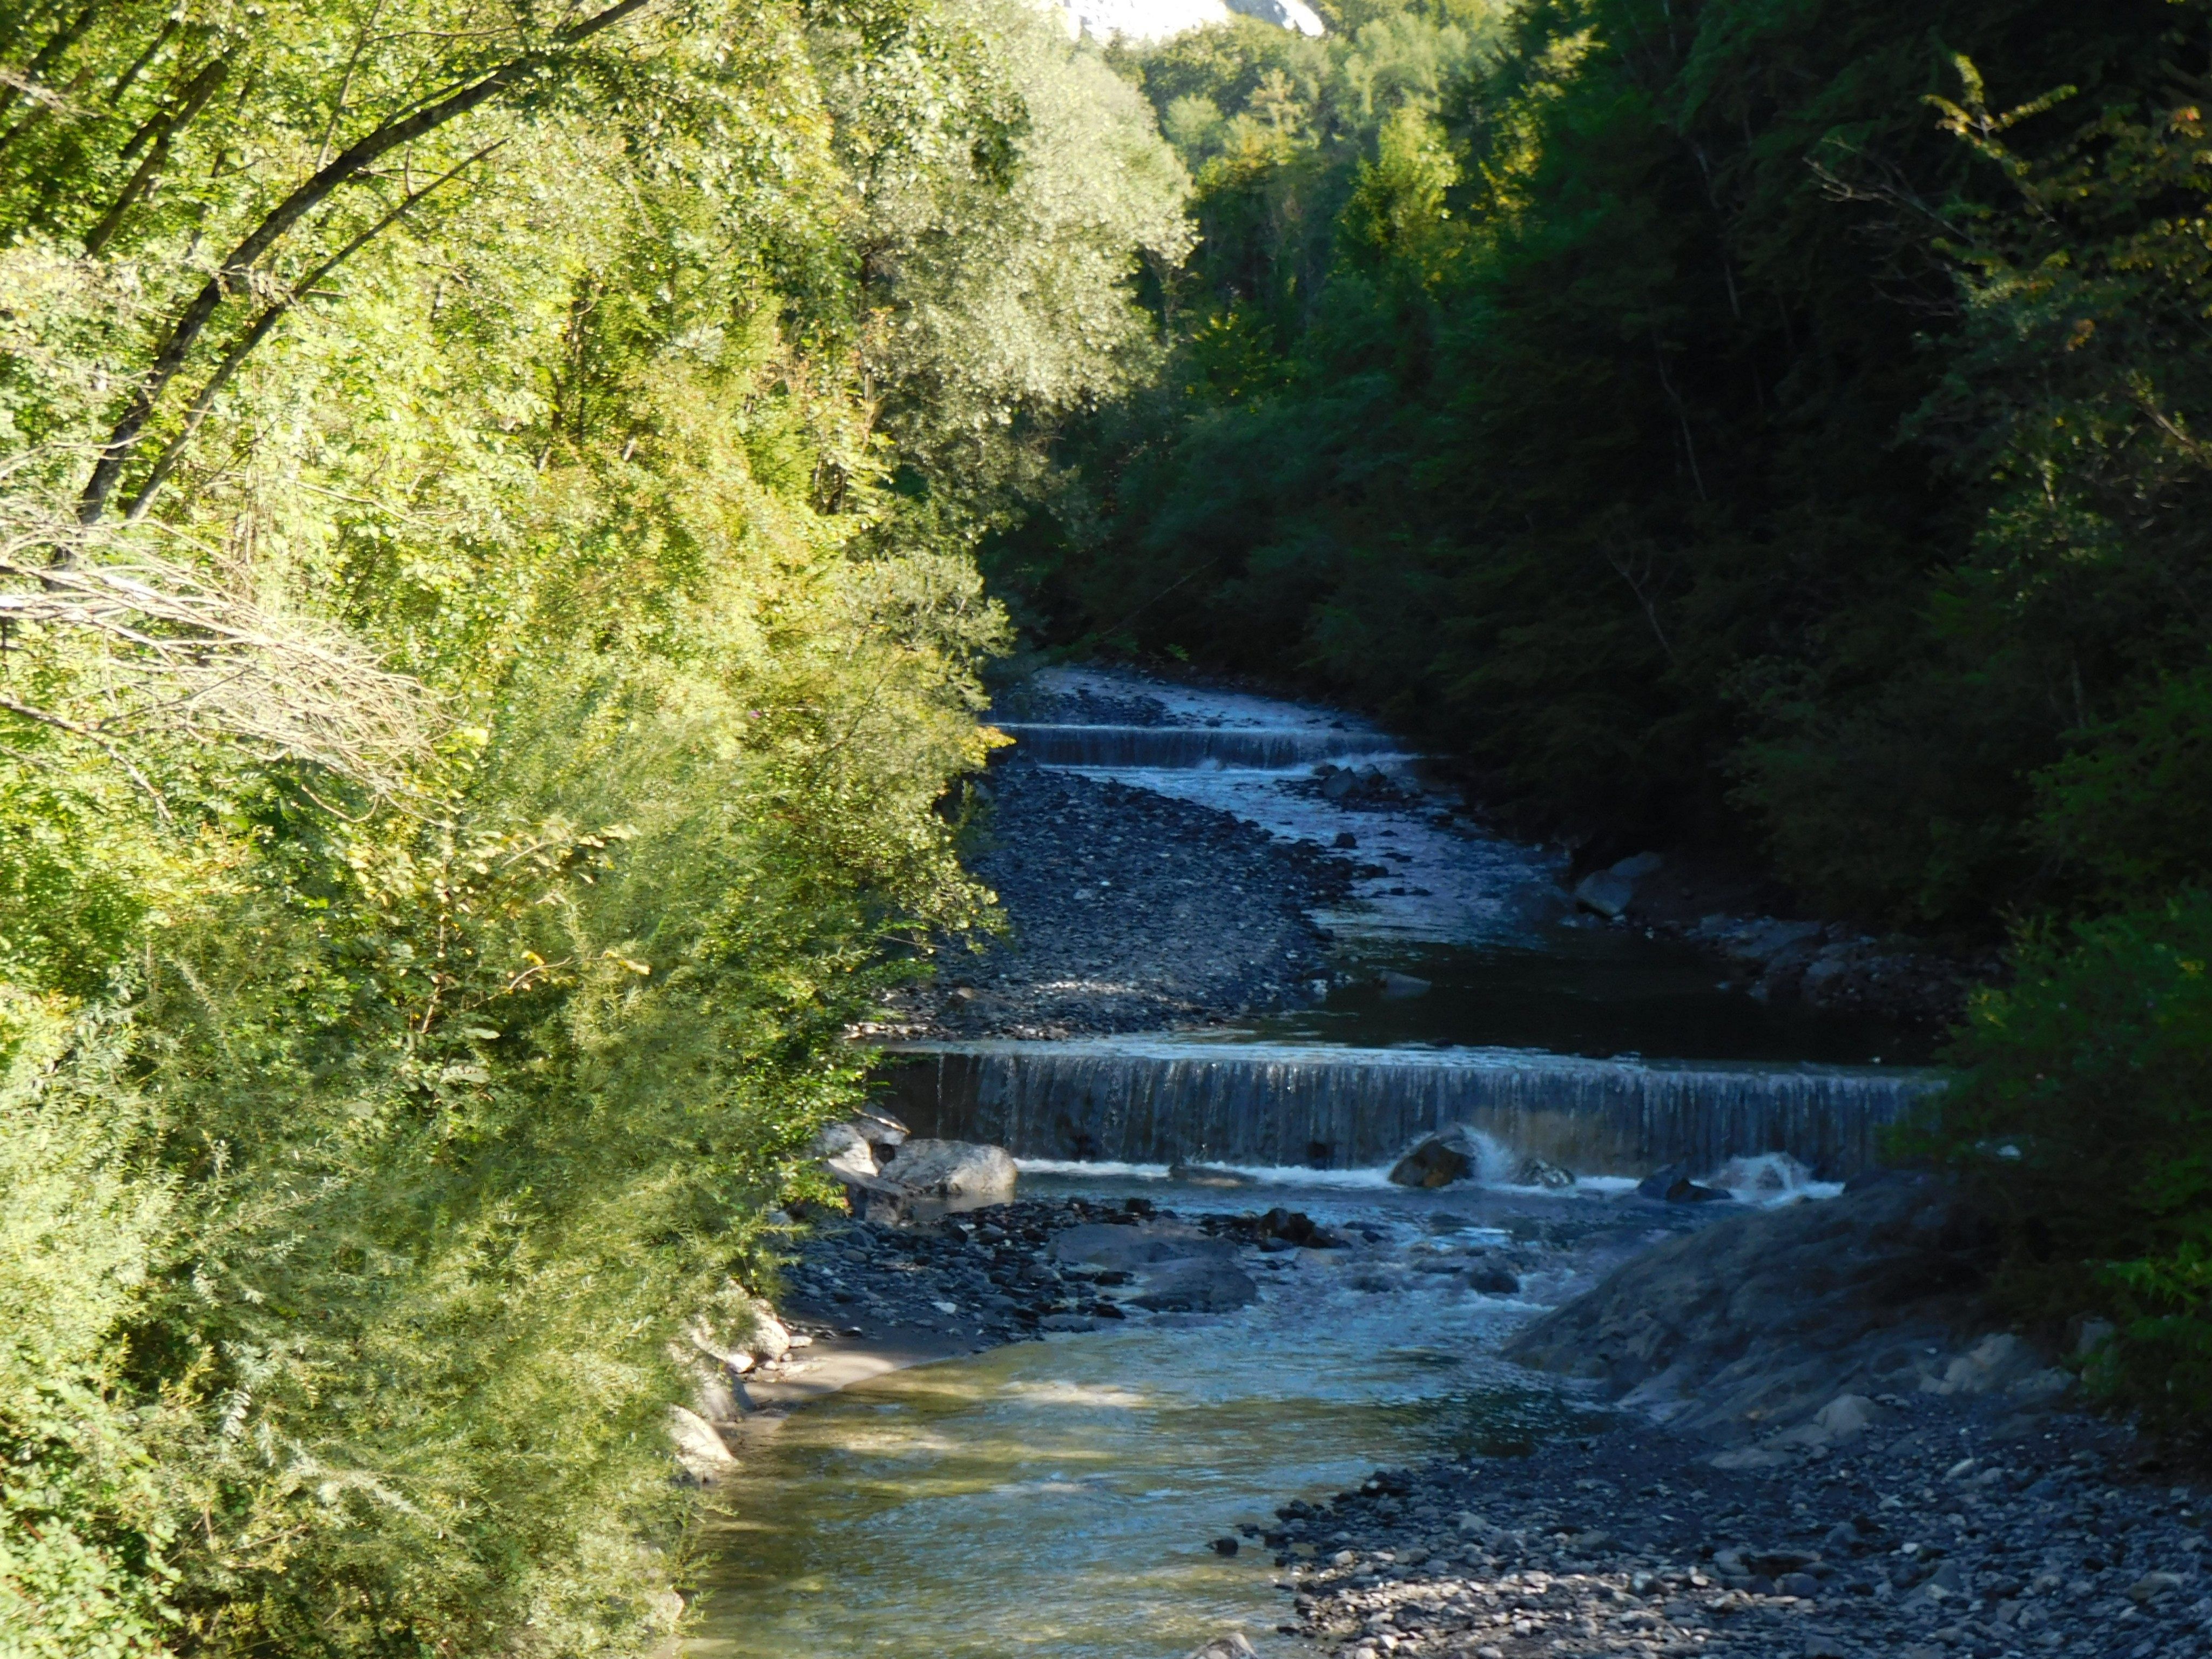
<point x="1596" y="992"/>
<point x="1059" y="1498"/>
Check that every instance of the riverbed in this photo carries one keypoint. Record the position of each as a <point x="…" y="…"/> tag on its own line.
<point x="1065" y="1495"/>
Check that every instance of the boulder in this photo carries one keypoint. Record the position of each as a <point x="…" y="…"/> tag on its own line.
<point x="880" y="1130"/>
<point x="1437" y="1160"/>
<point x="1770" y="1320"/>
<point x="705" y="1458"/>
<point x="1397" y="987"/>
<point x="741" y="1336"/>
<point x="844" y="1151"/>
<point x="1296" y="1227"/>
<point x="1102" y="1245"/>
<point x="1610" y="892"/>
<point x="1604" y="893"/>
<point x="957" y="1175"/>
<point x="1672" y="1185"/>
<point x="1541" y="1172"/>
<point x="1491" y="1280"/>
<point x="1231" y="1646"/>
<point x="1196" y="1285"/>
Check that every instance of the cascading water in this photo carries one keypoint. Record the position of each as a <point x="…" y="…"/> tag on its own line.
<point x="1053" y="1498"/>
<point x="1268" y="1105"/>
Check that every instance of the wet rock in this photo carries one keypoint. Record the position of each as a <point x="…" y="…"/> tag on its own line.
<point x="1235" y="1645"/>
<point x="1672" y="1185"/>
<point x="1491" y="1280"/>
<point x="1197" y="1285"/>
<point x="958" y="1174"/>
<point x="1437" y="1160"/>
<point x="1210" y="1174"/>
<point x="1398" y="987"/>
<point x="1540" y="1172"/>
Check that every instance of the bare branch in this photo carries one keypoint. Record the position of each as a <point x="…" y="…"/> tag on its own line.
<point x="160" y="649"/>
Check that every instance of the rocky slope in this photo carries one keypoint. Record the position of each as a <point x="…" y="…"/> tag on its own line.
<point x="1816" y="1451"/>
<point x="1126" y="911"/>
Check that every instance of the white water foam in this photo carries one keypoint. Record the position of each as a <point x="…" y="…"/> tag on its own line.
<point x="1769" y="1179"/>
<point x="1264" y="1175"/>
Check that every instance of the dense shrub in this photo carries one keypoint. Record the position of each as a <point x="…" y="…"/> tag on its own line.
<point x="479" y="673"/>
<point x="2083" y="1114"/>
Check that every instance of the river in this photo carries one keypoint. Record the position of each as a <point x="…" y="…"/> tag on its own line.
<point x="1061" y="1497"/>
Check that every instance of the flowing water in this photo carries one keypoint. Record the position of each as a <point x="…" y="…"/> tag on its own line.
<point x="1057" y="1497"/>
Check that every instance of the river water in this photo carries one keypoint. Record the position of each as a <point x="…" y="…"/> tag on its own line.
<point x="1058" y="1498"/>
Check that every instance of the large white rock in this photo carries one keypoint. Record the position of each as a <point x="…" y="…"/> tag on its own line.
<point x="698" y="1448"/>
<point x="957" y="1174"/>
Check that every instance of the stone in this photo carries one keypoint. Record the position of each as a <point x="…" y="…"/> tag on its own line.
<point x="957" y="1174"/>
<point x="1345" y="839"/>
<point x="879" y="1128"/>
<point x="1436" y="1160"/>
<point x="1672" y="1185"/>
<point x="1399" y="987"/>
<point x="1492" y="1280"/>
<point x="701" y="1451"/>
<point x="2153" y="1584"/>
<point x="1102" y="1245"/>
<point x="1234" y="1645"/>
<point x="1196" y="1285"/>
<point x="1541" y="1172"/>
<point x="1606" y="893"/>
<point x="1225" y="1546"/>
<point x="845" y="1152"/>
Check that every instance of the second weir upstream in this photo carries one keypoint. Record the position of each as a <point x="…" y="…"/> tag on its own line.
<point x="1058" y="1498"/>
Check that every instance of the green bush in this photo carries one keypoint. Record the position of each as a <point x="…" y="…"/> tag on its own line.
<point x="2083" y="1119"/>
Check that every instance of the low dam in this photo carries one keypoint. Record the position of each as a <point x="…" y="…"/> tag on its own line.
<point x="1279" y="1105"/>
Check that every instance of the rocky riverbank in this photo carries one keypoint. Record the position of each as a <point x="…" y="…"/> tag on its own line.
<point x="1945" y="1528"/>
<point x="1126" y="911"/>
<point x="1816" y="1450"/>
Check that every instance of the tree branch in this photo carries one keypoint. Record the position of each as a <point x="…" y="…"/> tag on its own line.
<point x="243" y="347"/>
<point x="349" y="164"/>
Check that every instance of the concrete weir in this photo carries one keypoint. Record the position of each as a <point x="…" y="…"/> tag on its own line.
<point x="1257" y="1104"/>
<point x="1260" y="748"/>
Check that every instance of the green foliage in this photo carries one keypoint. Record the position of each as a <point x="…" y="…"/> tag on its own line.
<point x="1697" y="438"/>
<point x="1775" y="423"/>
<point x="2083" y="1114"/>
<point x="468" y="769"/>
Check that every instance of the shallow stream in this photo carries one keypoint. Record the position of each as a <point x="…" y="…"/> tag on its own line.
<point x="1058" y="1498"/>
<point x="1061" y="1498"/>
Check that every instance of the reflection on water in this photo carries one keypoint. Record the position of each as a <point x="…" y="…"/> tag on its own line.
<point x="1058" y="1498"/>
<point x="1597" y="992"/>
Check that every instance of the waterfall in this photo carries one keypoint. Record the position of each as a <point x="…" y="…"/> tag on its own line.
<point x="1264" y="1104"/>
<point x="1264" y="748"/>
